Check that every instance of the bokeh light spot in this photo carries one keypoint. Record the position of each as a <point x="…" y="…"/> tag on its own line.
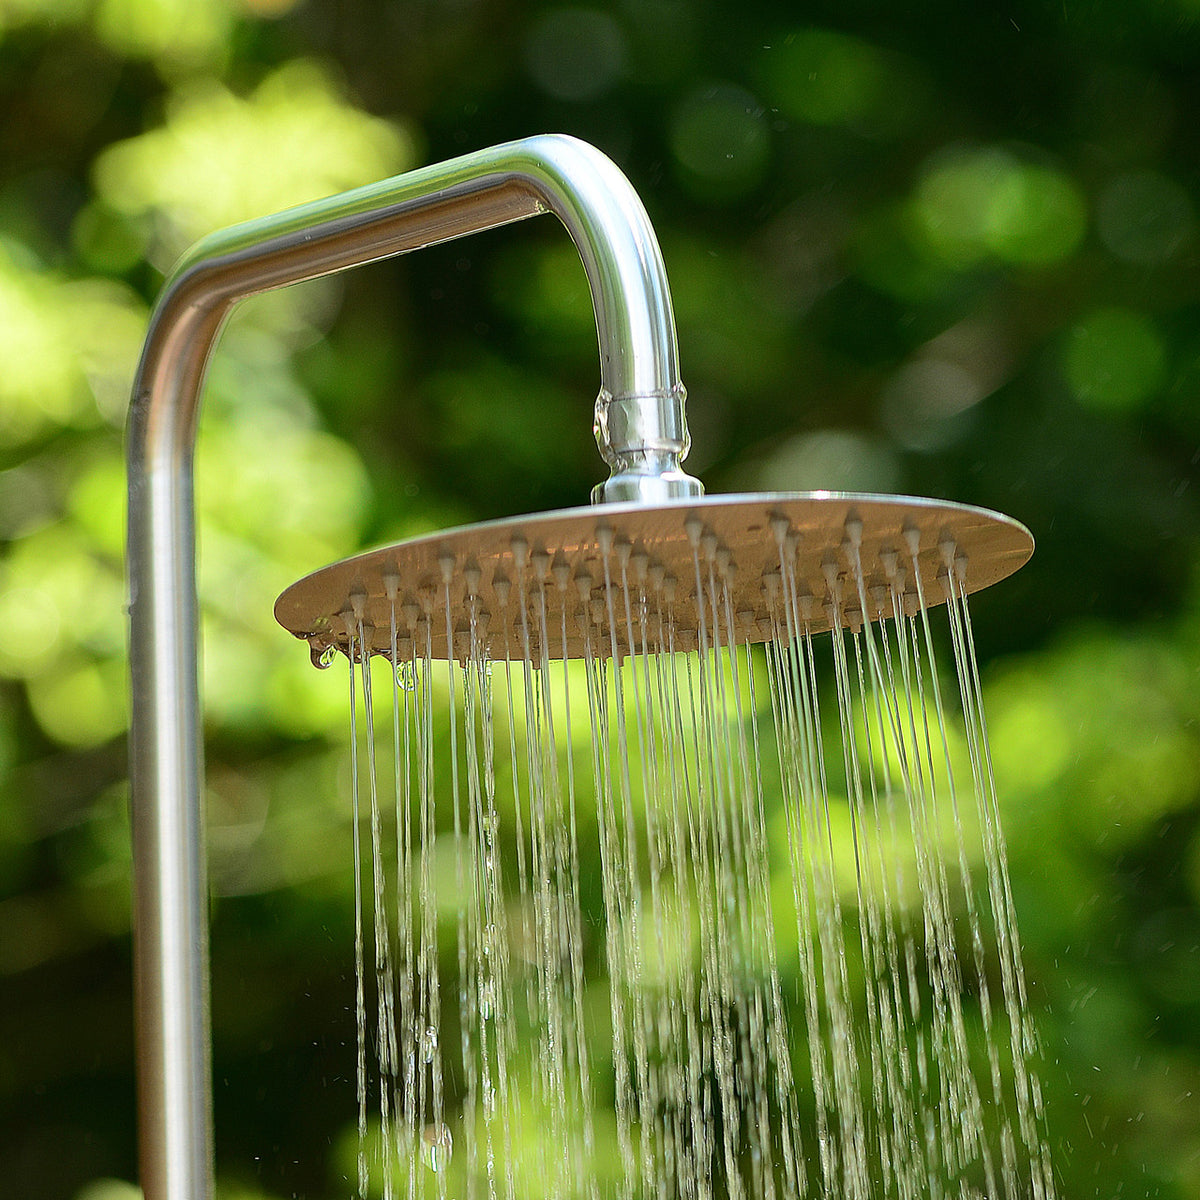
<point x="980" y="203"/>
<point x="204" y="168"/>
<point x="924" y="403"/>
<point x="826" y="78"/>
<point x="830" y="459"/>
<point x="177" y="34"/>
<point x="1039" y="219"/>
<point x="108" y="241"/>
<point x="83" y="706"/>
<point x="575" y="53"/>
<point x="30" y="629"/>
<point x="64" y="345"/>
<point x="1030" y="744"/>
<point x="1113" y="359"/>
<point x="720" y="142"/>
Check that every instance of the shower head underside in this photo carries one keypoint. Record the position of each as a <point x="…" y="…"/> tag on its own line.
<point x="621" y="577"/>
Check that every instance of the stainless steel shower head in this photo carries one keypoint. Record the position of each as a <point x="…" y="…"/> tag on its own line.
<point x="825" y="542"/>
<point x="814" y="542"/>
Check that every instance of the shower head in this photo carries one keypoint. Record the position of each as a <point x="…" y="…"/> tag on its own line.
<point x="791" y="563"/>
<point x="827" y="556"/>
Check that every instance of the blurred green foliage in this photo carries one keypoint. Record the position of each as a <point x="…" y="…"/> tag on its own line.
<point x="938" y="248"/>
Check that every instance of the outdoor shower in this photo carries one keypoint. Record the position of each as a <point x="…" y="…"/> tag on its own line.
<point x="640" y="612"/>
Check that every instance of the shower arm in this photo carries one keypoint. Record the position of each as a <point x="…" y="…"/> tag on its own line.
<point x="640" y="427"/>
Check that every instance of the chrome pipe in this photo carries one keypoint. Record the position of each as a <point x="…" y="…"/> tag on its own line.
<point x="640" y="426"/>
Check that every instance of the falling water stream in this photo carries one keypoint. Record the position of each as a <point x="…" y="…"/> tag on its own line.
<point x="678" y="916"/>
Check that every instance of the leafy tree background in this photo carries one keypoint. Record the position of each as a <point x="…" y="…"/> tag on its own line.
<point x="938" y="248"/>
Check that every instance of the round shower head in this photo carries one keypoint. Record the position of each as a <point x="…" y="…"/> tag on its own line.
<point x="821" y="557"/>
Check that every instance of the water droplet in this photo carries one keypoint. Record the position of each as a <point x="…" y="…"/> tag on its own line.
<point x="429" y="1044"/>
<point x="322" y="656"/>
<point x="487" y="1000"/>
<point x="436" y="1146"/>
<point x="406" y="676"/>
<point x="489" y="1097"/>
<point x="489" y="824"/>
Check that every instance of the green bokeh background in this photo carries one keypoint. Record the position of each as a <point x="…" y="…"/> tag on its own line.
<point x="938" y="248"/>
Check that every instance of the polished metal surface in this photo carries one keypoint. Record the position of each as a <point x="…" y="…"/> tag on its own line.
<point x="642" y="435"/>
<point x="643" y="439"/>
<point x="490" y="573"/>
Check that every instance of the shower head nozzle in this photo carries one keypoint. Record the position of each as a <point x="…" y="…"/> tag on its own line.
<point x="815" y="560"/>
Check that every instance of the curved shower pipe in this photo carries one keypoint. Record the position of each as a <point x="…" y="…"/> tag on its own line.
<point x="642" y="433"/>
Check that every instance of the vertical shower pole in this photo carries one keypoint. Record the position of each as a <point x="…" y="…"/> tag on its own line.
<point x="642" y="433"/>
